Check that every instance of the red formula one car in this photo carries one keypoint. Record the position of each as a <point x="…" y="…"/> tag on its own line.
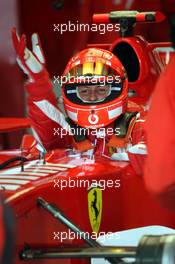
<point x="62" y="200"/>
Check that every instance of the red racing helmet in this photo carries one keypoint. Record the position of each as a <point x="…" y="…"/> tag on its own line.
<point x="95" y="88"/>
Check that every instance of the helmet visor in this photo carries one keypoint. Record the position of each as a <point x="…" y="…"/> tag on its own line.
<point x="85" y="94"/>
<point x="93" y="93"/>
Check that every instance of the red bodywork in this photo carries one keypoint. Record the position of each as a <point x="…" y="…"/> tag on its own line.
<point x="143" y="61"/>
<point x="124" y="207"/>
<point x="150" y="62"/>
<point x="11" y="124"/>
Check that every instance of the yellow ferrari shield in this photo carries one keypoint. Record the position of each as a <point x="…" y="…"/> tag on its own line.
<point x="95" y="208"/>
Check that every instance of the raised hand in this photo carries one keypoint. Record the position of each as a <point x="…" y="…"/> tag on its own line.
<point x="31" y="62"/>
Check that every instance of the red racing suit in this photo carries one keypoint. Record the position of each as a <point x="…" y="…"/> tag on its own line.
<point x="160" y="127"/>
<point x="47" y="119"/>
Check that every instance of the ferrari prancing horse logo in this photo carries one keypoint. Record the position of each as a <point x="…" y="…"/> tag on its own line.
<point x="95" y="208"/>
